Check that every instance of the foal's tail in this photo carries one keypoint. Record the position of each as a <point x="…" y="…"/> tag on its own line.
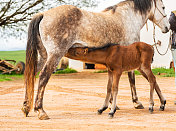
<point x="32" y="58"/>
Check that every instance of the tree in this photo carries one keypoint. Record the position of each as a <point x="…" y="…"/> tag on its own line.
<point x="15" y="14"/>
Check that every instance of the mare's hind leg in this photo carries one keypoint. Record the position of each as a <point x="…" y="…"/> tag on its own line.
<point x="137" y="104"/>
<point x="158" y="91"/>
<point x="42" y="57"/>
<point x="44" y="76"/>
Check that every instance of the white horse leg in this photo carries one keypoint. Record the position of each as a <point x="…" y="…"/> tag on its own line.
<point x="137" y="104"/>
<point x="44" y="76"/>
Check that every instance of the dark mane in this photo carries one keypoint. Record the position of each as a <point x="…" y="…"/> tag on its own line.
<point x="100" y="48"/>
<point x="142" y="5"/>
<point x="139" y="5"/>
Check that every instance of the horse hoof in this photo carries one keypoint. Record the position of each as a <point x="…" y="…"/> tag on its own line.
<point x="99" y="112"/>
<point x="139" y="106"/>
<point x="25" y="111"/>
<point x="162" y="108"/>
<point x="111" y="115"/>
<point x="43" y="117"/>
<point x="150" y="110"/>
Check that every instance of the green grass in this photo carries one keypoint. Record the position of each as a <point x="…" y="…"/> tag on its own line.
<point x="10" y="77"/>
<point x="161" y="72"/>
<point x="13" y="55"/>
<point x="66" y="71"/>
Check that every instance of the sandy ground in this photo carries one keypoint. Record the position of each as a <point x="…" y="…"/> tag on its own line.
<point x="72" y="100"/>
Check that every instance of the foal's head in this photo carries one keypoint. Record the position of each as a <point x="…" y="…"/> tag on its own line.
<point x="77" y="52"/>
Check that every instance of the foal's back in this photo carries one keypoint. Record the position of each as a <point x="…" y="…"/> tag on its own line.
<point x="131" y="57"/>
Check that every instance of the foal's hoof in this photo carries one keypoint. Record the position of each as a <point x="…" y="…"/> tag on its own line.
<point x="99" y="112"/>
<point x="139" y="106"/>
<point x="151" y="110"/>
<point x="111" y="115"/>
<point x="162" y="107"/>
<point x="25" y="110"/>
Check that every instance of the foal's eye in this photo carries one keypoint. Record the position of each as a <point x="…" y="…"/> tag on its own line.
<point x="163" y="8"/>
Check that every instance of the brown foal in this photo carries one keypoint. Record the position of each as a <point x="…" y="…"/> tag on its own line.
<point x="118" y="59"/>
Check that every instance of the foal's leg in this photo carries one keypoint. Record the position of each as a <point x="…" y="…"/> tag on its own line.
<point x="137" y="104"/>
<point x="152" y="80"/>
<point x="116" y="78"/>
<point x="44" y="76"/>
<point x="158" y="91"/>
<point x="109" y="86"/>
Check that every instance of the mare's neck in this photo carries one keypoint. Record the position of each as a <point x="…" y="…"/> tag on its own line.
<point x="132" y="21"/>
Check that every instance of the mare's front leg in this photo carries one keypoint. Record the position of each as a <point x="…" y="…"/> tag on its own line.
<point x="44" y="76"/>
<point x="137" y="104"/>
<point x="116" y="78"/>
<point x="109" y="86"/>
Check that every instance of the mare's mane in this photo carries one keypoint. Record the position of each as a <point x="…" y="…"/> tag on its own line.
<point x="100" y="48"/>
<point x="139" y="5"/>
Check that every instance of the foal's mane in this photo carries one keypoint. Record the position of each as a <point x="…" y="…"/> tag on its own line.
<point x="100" y="48"/>
<point x="139" y="5"/>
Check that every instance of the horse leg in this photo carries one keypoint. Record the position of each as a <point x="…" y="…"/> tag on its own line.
<point x="158" y="91"/>
<point x="109" y="86"/>
<point x="152" y="80"/>
<point x="44" y="76"/>
<point x="110" y="101"/>
<point x="137" y="104"/>
<point x="116" y="78"/>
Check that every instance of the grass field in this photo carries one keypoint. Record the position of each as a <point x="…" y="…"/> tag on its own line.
<point x="13" y="55"/>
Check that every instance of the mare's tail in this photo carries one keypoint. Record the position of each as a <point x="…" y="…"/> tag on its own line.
<point x="32" y="58"/>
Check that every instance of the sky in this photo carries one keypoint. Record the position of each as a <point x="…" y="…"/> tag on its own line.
<point x="146" y="36"/>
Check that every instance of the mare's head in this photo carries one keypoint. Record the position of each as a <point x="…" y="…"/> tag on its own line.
<point x="153" y="10"/>
<point x="158" y="16"/>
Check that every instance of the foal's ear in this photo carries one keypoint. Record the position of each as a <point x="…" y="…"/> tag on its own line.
<point x="85" y="51"/>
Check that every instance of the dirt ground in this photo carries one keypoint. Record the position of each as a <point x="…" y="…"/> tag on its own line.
<point x="72" y="101"/>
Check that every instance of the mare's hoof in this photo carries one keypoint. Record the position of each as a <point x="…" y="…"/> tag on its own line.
<point x="25" y="110"/>
<point x="150" y="110"/>
<point x="139" y="106"/>
<point x="43" y="117"/>
<point x="111" y="115"/>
